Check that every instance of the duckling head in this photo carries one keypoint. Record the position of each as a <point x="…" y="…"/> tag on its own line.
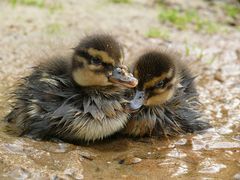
<point x="97" y="61"/>
<point x="158" y="78"/>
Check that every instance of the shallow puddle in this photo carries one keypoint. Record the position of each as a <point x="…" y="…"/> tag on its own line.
<point x="192" y="156"/>
<point x="214" y="154"/>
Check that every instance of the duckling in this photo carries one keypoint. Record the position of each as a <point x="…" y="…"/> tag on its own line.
<point x="166" y="100"/>
<point x="74" y="100"/>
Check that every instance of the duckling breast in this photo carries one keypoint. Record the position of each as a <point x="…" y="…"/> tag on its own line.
<point x="95" y="119"/>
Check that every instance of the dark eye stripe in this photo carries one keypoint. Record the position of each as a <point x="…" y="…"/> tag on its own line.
<point x="167" y="80"/>
<point x="96" y="61"/>
<point x="88" y="57"/>
<point x="85" y="55"/>
<point x="169" y="86"/>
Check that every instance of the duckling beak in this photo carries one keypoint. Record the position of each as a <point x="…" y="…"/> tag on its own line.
<point x="137" y="101"/>
<point x="123" y="77"/>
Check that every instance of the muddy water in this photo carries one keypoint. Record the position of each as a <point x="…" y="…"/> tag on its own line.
<point x="209" y="155"/>
<point x="212" y="155"/>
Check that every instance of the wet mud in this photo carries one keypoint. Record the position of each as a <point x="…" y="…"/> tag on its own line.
<point x="28" y="33"/>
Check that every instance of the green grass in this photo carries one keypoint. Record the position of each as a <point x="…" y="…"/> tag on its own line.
<point x="177" y="18"/>
<point x="210" y="61"/>
<point x="53" y="28"/>
<point x="199" y="56"/>
<point x="232" y="10"/>
<point x="121" y="1"/>
<point x="207" y="26"/>
<point x="187" y="50"/>
<point x="37" y="3"/>
<point x="52" y="7"/>
<point x="188" y="19"/>
<point x="154" y="32"/>
<point x="55" y="7"/>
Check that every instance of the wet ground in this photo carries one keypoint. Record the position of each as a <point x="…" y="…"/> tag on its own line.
<point x="29" y="32"/>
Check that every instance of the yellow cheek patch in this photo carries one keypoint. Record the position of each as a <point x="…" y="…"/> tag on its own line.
<point x="160" y="98"/>
<point x="86" y="77"/>
<point x="158" y="91"/>
<point x="104" y="56"/>
<point x="94" y="67"/>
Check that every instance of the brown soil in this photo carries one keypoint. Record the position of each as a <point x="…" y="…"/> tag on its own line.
<point x="29" y="33"/>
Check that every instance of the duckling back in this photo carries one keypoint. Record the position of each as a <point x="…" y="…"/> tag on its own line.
<point x="49" y="104"/>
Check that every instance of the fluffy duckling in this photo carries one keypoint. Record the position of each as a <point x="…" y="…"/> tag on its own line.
<point x="166" y="101"/>
<point x="75" y="100"/>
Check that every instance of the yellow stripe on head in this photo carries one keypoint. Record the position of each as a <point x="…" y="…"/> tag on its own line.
<point x="104" y="56"/>
<point x="155" y="80"/>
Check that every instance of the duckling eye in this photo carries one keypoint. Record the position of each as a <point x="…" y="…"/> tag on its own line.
<point x="96" y="61"/>
<point x="160" y="84"/>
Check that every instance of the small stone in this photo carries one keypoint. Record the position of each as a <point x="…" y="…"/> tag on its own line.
<point x="121" y="161"/>
<point x="136" y="160"/>
<point x="124" y="176"/>
<point x="181" y="142"/>
<point x="218" y="76"/>
<point x="224" y="111"/>
<point x="133" y="160"/>
<point x="130" y="160"/>
<point x="87" y="155"/>
<point x="236" y="176"/>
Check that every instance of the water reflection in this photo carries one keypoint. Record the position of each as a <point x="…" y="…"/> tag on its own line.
<point x="205" y="154"/>
<point x="208" y="165"/>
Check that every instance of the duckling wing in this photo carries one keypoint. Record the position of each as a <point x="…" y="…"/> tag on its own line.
<point x="184" y="110"/>
<point x="37" y="97"/>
